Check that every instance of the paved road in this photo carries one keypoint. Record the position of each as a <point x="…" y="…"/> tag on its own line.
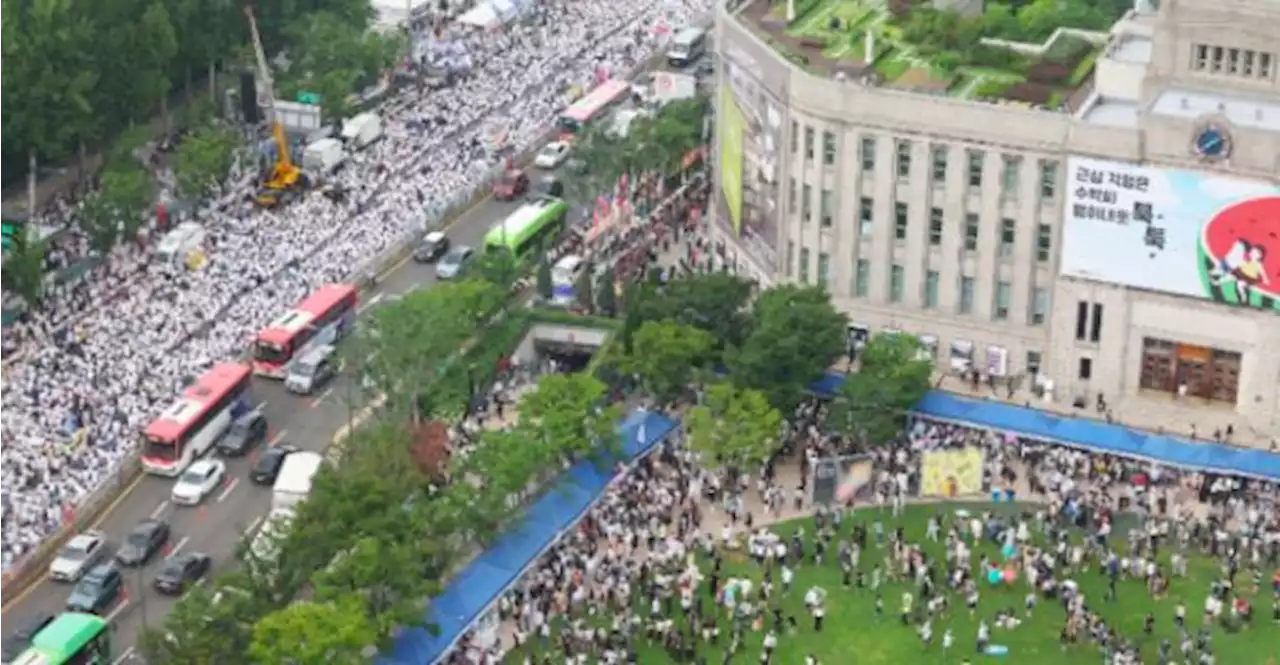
<point x="238" y="507"/>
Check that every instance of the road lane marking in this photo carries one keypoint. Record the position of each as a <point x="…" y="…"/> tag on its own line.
<point x="124" y="657"/>
<point x="230" y="486"/>
<point x="177" y="548"/>
<point x="253" y="526"/>
<point x="276" y="439"/>
<point x="199" y="581"/>
<point x="377" y="298"/>
<point x="155" y="514"/>
<point x="111" y="616"/>
<point x="320" y="398"/>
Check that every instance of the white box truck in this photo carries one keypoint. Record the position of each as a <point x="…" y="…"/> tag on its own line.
<point x="361" y="130"/>
<point x="323" y="157"/>
<point x="294" y="482"/>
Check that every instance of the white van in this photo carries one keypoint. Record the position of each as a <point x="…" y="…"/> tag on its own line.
<point x="688" y="45"/>
<point x="564" y="280"/>
<point x="182" y="240"/>
<point x="323" y="157"/>
<point x="294" y="482"/>
<point x="361" y="130"/>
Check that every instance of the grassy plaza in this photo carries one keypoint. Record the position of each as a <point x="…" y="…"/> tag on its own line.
<point x="854" y="633"/>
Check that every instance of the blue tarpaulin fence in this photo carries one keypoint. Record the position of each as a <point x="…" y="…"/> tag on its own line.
<point x="468" y="594"/>
<point x="1084" y="433"/>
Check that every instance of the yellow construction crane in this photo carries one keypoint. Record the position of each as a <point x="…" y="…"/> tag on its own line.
<point x="285" y="178"/>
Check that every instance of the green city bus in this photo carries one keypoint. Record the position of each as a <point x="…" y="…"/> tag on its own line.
<point x="74" y="638"/>
<point x="529" y="227"/>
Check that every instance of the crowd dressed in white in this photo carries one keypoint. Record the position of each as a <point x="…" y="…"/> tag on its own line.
<point x="86" y="374"/>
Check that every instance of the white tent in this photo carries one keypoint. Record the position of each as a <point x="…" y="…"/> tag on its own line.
<point x="492" y="13"/>
<point x="391" y="13"/>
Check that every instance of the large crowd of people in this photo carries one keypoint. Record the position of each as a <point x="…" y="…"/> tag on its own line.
<point x="670" y="561"/>
<point x="88" y="373"/>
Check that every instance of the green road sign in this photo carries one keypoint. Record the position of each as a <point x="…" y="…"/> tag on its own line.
<point x="308" y="98"/>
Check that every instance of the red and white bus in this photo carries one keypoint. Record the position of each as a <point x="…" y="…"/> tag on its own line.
<point x="202" y="413"/>
<point x="321" y="318"/>
<point x="593" y="103"/>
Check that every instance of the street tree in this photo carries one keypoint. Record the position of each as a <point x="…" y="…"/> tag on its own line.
<point x="158" y="44"/>
<point x="49" y="78"/>
<point x="601" y="162"/>
<point x="498" y="268"/>
<point x="571" y="413"/>
<point x="716" y="303"/>
<point x="23" y="272"/>
<point x="735" y="428"/>
<point x="606" y="295"/>
<point x="665" y="357"/>
<point x="585" y="287"/>
<point x="796" y="335"/>
<point x="873" y="403"/>
<point x="99" y="221"/>
<point x="384" y="574"/>
<point x="129" y="191"/>
<point x="543" y="280"/>
<point x="335" y="632"/>
<point x="408" y="343"/>
<point x="205" y="627"/>
<point x="203" y="159"/>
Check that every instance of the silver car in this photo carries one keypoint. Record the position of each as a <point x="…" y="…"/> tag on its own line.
<point x="78" y="556"/>
<point x="453" y="263"/>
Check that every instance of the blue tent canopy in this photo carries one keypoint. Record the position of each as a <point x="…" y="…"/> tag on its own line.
<point x="1083" y="433"/>
<point x="466" y="596"/>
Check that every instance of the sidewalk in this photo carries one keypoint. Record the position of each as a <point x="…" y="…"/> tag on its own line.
<point x="1181" y="418"/>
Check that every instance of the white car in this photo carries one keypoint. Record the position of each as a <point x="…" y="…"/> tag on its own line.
<point x="552" y="155"/>
<point x="78" y="556"/>
<point x="198" y="481"/>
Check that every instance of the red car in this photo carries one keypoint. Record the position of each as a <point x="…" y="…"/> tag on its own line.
<point x="512" y="184"/>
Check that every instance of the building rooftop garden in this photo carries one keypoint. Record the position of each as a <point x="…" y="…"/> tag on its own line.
<point x="1035" y="52"/>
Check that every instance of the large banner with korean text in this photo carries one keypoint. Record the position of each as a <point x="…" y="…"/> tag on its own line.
<point x="1186" y="233"/>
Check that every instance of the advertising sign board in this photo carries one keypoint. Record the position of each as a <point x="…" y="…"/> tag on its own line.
<point x="1186" y="233"/>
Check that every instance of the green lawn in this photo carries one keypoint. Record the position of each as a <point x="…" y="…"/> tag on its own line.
<point x="854" y="634"/>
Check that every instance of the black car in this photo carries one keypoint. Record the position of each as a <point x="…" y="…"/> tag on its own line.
<point x="432" y="247"/>
<point x="268" y="466"/>
<point x="180" y="571"/>
<point x="143" y="542"/>
<point x="97" y="590"/>
<point x="247" y="432"/>
<point x="17" y="642"/>
<point x="549" y="186"/>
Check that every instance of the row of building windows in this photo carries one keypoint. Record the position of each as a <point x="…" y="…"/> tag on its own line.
<point x="1011" y="165"/>
<point x="1037" y="312"/>
<point x="1237" y="62"/>
<point x="937" y="222"/>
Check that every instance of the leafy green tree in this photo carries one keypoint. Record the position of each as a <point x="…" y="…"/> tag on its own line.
<point x="570" y="413"/>
<point x="129" y="192"/>
<point x="408" y="342"/>
<point x="158" y="47"/>
<point x="335" y="632"/>
<point x="203" y="159"/>
<point x="873" y="403"/>
<point x="48" y="81"/>
<point x="384" y="575"/>
<point x="665" y="357"/>
<point x="606" y="295"/>
<point x="205" y="627"/>
<point x="23" y="272"/>
<point x="734" y="427"/>
<point x="99" y="221"/>
<point x="602" y="165"/>
<point x="716" y="303"/>
<point x="543" y="286"/>
<point x="795" y="337"/>
<point x="497" y="268"/>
